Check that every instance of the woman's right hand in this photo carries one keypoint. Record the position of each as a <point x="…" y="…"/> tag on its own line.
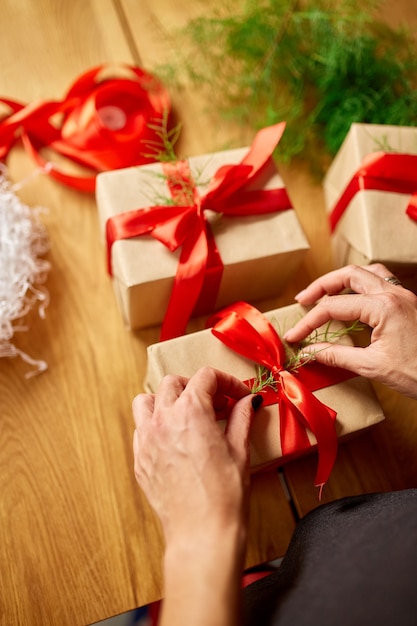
<point x="390" y="311"/>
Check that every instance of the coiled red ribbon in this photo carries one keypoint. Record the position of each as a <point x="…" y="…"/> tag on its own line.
<point x="245" y="330"/>
<point x="382" y="172"/>
<point x="104" y="123"/>
<point x="185" y="225"/>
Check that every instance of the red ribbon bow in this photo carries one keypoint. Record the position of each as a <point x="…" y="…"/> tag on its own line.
<point x="104" y="125"/>
<point x="382" y="172"/>
<point x="199" y="270"/>
<point x="246" y="331"/>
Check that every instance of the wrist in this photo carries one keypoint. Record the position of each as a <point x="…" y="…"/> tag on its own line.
<point x="206" y="545"/>
<point x="204" y="571"/>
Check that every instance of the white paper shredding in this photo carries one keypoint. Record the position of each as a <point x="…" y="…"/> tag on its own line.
<point x="23" y="240"/>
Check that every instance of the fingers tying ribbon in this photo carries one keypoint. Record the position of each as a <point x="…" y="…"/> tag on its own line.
<point x="247" y="332"/>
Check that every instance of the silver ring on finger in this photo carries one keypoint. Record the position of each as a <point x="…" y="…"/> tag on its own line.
<point x="393" y="280"/>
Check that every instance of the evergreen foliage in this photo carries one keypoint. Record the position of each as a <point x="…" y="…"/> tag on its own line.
<point x="319" y="65"/>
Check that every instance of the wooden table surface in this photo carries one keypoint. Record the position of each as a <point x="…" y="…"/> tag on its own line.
<point x="78" y="541"/>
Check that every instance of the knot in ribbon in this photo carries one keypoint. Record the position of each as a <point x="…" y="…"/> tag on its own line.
<point x="381" y="171"/>
<point x="247" y="332"/>
<point x="102" y="123"/>
<point x="186" y="225"/>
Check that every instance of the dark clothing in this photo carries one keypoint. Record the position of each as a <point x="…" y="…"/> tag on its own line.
<point x="352" y="562"/>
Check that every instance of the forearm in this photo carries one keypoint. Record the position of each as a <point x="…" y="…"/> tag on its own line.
<point x="202" y="582"/>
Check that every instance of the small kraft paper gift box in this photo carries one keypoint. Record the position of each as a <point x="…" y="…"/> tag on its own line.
<point x="307" y="407"/>
<point x="188" y="237"/>
<point x="370" y="192"/>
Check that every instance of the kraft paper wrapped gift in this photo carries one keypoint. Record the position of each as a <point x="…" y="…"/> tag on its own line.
<point x="354" y="400"/>
<point x="375" y="227"/>
<point x="260" y="253"/>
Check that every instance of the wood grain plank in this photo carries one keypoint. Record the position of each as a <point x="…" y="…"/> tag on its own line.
<point x="72" y="518"/>
<point x="46" y="44"/>
<point x="271" y="520"/>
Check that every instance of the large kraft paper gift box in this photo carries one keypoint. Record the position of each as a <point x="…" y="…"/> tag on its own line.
<point x="374" y="226"/>
<point x="354" y="400"/>
<point x="259" y="252"/>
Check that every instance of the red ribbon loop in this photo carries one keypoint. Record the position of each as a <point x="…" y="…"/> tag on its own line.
<point x="247" y="332"/>
<point x="104" y="123"/>
<point x="381" y="171"/>
<point x="199" y="271"/>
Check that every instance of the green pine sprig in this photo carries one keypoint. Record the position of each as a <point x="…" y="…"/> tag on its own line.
<point x="162" y="150"/>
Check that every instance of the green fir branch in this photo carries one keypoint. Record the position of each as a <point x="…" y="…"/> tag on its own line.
<point x="162" y="149"/>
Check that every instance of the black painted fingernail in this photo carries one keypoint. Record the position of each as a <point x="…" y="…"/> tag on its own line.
<point x="257" y="401"/>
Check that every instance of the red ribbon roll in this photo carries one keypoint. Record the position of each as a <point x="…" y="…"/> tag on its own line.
<point x="381" y="171"/>
<point x="247" y="332"/>
<point x="185" y="225"/>
<point x="105" y="123"/>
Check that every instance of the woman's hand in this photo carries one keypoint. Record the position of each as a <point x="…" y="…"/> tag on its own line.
<point x="194" y="475"/>
<point x="390" y="311"/>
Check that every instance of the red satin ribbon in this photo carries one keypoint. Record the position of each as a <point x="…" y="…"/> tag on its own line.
<point x="198" y="274"/>
<point x="246" y="331"/>
<point x="104" y="123"/>
<point x="382" y="172"/>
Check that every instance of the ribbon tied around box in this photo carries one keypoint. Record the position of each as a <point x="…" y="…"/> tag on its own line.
<point x="245" y="330"/>
<point x="381" y="171"/>
<point x="185" y="224"/>
<point x="99" y="124"/>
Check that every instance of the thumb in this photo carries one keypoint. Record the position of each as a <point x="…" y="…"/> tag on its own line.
<point x="238" y="426"/>
<point x="336" y="355"/>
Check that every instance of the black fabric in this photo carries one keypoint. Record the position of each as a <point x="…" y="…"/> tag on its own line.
<point x="352" y="562"/>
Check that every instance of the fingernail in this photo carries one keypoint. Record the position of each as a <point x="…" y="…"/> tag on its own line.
<point x="257" y="401"/>
<point x="299" y="295"/>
